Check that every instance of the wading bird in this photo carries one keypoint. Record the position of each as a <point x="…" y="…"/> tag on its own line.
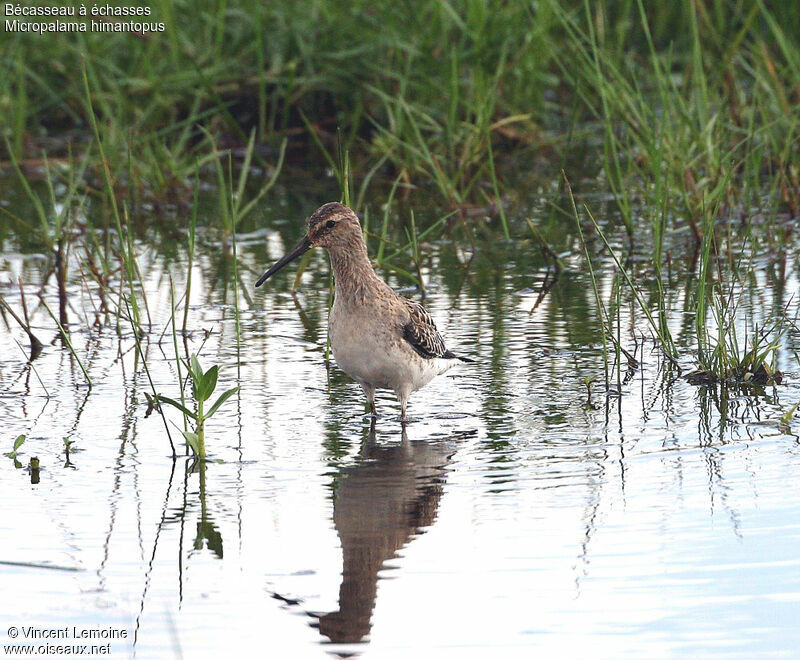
<point x="379" y="338"/>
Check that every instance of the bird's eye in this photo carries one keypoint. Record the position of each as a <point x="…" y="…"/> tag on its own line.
<point x="330" y="224"/>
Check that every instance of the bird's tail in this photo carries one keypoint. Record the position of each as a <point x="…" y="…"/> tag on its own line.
<point x="449" y="355"/>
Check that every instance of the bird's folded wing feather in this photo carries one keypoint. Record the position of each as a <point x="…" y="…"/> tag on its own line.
<point x="420" y="331"/>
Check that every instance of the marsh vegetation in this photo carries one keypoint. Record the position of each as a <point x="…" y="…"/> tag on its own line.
<point x="597" y="201"/>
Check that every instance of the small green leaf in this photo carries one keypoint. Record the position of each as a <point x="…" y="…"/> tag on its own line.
<point x="222" y="399"/>
<point x="18" y="442"/>
<point x="197" y="370"/>
<point x="787" y="417"/>
<point x="197" y="378"/>
<point x="208" y="383"/>
<point x="193" y="440"/>
<point x="172" y="402"/>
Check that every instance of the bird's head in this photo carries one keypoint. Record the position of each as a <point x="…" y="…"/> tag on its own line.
<point x="331" y="226"/>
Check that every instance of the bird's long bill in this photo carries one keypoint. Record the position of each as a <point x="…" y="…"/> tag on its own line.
<point x="301" y="248"/>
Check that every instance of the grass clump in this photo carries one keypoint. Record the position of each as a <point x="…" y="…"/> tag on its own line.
<point x="729" y="347"/>
<point x="727" y="358"/>
<point x="699" y="121"/>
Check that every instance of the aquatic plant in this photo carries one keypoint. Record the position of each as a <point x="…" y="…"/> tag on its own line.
<point x="68" y="344"/>
<point x="34" y="469"/>
<point x="785" y="423"/>
<point x="35" y="345"/>
<point x="730" y="349"/>
<point x="55" y="220"/>
<point x="203" y="386"/>
<point x="728" y="354"/>
<point x="18" y="442"/>
<point x="724" y="352"/>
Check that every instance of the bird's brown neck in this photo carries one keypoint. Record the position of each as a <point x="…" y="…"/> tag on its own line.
<point x="356" y="280"/>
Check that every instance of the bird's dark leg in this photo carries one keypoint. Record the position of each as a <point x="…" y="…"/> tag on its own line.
<point x="369" y="391"/>
<point x="402" y="396"/>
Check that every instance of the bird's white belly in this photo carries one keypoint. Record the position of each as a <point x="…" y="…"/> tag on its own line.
<point x="376" y="355"/>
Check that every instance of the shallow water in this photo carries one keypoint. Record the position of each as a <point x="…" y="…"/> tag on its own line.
<point x="513" y="515"/>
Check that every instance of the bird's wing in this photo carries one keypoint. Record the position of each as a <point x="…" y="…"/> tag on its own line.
<point x="420" y="331"/>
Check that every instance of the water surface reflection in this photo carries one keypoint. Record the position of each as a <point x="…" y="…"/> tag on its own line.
<point x="390" y="495"/>
<point x="657" y="522"/>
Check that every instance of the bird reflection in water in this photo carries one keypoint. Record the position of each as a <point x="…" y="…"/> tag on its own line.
<point x="380" y="503"/>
